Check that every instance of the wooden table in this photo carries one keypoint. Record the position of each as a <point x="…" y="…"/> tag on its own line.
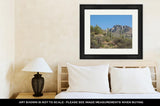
<point x="48" y="95"/>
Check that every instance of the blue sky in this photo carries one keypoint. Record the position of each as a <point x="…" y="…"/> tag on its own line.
<point x="108" y="21"/>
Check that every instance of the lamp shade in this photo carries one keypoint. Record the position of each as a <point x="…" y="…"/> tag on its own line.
<point x="37" y="65"/>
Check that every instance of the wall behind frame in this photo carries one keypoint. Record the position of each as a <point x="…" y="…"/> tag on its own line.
<point x="50" y="29"/>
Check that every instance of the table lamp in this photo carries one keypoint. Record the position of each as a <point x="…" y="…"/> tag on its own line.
<point x="37" y="65"/>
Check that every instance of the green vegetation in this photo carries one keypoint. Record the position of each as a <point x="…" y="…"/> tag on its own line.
<point x="110" y="39"/>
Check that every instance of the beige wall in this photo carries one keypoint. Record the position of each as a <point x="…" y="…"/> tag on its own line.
<point x="50" y="29"/>
<point x="6" y="46"/>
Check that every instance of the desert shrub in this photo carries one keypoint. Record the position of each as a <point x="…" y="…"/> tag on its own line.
<point x="107" y="38"/>
<point x="93" y="43"/>
<point x="91" y="28"/>
<point x="128" y="43"/>
<point x="117" y="40"/>
<point x="98" y="30"/>
<point x="92" y="34"/>
<point x="122" y="43"/>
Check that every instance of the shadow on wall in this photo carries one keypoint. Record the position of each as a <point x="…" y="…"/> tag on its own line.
<point x="6" y="79"/>
<point x="21" y="82"/>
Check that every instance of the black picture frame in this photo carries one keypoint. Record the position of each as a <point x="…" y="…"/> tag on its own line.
<point x="84" y="7"/>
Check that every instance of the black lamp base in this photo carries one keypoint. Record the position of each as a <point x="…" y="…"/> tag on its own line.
<point x="37" y="95"/>
<point x="37" y="84"/>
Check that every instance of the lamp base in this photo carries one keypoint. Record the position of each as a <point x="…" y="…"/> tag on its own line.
<point x="38" y="95"/>
<point x="37" y="84"/>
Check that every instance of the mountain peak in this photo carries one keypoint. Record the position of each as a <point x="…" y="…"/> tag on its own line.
<point x="120" y="29"/>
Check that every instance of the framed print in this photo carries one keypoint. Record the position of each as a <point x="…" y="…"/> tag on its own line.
<point x="111" y="31"/>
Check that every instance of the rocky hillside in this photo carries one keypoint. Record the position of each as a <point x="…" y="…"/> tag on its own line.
<point x="116" y="37"/>
<point x="118" y="30"/>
